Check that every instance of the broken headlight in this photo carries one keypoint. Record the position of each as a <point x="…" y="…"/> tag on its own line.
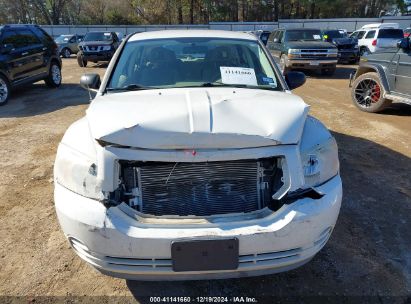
<point x="320" y="163"/>
<point x="77" y="172"/>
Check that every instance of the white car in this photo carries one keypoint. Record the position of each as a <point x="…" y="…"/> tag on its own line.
<point x="195" y="161"/>
<point x="377" y="37"/>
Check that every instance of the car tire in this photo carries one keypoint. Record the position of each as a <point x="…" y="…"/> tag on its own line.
<point x="283" y="64"/>
<point x="53" y="80"/>
<point x="367" y="93"/>
<point x="65" y="53"/>
<point x="5" y="90"/>
<point x="328" y="71"/>
<point x="81" y="61"/>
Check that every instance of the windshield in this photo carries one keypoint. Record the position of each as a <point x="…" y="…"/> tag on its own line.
<point x="302" y="35"/>
<point x="193" y="62"/>
<point x="391" y="33"/>
<point x="335" y="34"/>
<point x="98" y="36"/>
<point x="62" y="39"/>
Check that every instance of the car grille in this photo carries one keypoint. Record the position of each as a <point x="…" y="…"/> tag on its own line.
<point x="314" y="53"/>
<point x="200" y="188"/>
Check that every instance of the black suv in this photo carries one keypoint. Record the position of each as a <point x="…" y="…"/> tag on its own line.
<point x="383" y="77"/>
<point x="27" y="54"/>
<point x="348" y="50"/>
<point x="97" y="46"/>
<point x="303" y="49"/>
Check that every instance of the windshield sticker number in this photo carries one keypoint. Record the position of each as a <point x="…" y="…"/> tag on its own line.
<point x="235" y="75"/>
<point x="317" y="37"/>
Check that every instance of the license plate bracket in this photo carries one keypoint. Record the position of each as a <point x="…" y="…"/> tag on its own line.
<point x="203" y="255"/>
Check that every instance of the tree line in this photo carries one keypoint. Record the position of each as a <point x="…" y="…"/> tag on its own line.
<point x="123" y="12"/>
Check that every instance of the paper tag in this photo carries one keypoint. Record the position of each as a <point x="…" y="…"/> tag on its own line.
<point x="235" y="75"/>
<point x="316" y="36"/>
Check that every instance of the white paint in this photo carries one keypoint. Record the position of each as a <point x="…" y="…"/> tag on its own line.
<point x="198" y="118"/>
<point x="197" y="33"/>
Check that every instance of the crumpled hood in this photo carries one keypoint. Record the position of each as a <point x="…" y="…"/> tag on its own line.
<point x="197" y="118"/>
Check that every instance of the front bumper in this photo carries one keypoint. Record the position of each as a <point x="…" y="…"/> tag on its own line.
<point x="311" y="64"/>
<point x="98" y="56"/>
<point x="121" y="243"/>
<point x="348" y="55"/>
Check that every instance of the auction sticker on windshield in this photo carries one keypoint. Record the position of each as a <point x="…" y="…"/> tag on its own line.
<point x="235" y="75"/>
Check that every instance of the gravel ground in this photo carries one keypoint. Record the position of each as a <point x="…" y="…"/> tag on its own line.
<point x="369" y="253"/>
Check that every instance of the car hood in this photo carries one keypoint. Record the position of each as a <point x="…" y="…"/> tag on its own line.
<point x="344" y="41"/>
<point x="197" y="118"/>
<point x="310" y="45"/>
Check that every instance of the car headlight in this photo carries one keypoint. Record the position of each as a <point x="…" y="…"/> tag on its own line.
<point x="320" y="163"/>
<point x="77" y="172"/>
<point x="106" y="48"/>
<point x="293" y="51"/>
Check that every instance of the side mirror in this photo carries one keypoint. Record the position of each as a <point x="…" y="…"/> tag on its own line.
<point x="90" y="81"/>
<point x="295" y="79"/>
<point x="403" y="44"/>
<point x="7" y="48"/>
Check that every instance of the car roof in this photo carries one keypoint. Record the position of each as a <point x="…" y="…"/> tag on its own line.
<point x="374" y="26"/>
<point x="19" y="25"/>
<point x="99" y="32"/>
<point x="301" y="29"/>
<point x="192" y="34"/>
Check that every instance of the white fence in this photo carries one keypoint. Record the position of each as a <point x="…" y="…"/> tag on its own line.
<point x="350" y="24"/>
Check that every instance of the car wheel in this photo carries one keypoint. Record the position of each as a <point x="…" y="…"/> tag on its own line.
<point x="81" y="61"/>
<point x="368" y="93"/>
<point x="66" y="53"/>
<point x="4" y="90"/>
<point x="53" y="80"/>
<point x="328" y="72"/>
<point x="283" y="64"/>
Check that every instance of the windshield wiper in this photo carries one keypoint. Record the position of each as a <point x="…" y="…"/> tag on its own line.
<point x="220" y="84"/>
<point x="130" y="87"/>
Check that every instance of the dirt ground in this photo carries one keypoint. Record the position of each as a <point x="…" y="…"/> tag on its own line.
<point x="369" y="253"/>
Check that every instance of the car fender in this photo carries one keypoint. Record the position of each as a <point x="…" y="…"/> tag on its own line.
<point x="373" y="67"/>
<point x="5" y="75"/>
